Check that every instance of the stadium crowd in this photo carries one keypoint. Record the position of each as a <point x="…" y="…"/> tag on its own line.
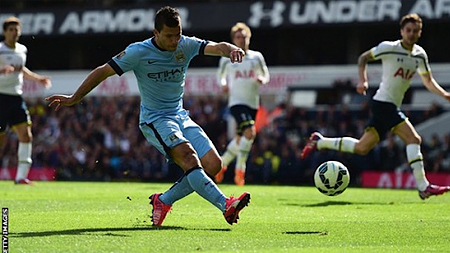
<point x="99" y="140"/>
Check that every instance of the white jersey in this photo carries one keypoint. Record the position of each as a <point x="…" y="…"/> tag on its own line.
<point x="399" y="66"/>
<point x="242" y="78"/>
<point x="12" y="83"/>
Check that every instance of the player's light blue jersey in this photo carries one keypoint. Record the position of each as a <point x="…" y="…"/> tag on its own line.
<point x="160" y="74"/>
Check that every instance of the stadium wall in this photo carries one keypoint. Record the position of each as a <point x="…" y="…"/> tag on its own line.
<point x="399" y="179"/>
<point x="203" y="81"/>
<point x="35" y="174"/>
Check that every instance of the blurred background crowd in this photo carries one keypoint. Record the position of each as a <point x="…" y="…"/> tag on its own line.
<point x="99" y="139"/>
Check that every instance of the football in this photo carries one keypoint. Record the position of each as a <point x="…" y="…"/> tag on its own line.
<point x="331" y="178"/>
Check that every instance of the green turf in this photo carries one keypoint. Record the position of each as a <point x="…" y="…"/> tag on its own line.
<point x="114" y="217"/>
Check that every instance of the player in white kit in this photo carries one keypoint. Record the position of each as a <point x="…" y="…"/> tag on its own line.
<point x="13" y="111"/>
<point x="401" y="59"/>
<point x="242" y="82"/>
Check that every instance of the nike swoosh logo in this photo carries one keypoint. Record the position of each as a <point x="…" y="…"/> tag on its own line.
<point x="151" y="62"/>
<point x="207" y="183"/>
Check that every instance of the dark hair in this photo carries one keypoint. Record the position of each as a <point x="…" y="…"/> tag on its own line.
<point x="10" y="21"/>
<point x="411" y="18"/>
<point x="167" y="16"/>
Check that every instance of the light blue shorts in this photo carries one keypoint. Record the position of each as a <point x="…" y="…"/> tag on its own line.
<point x="169" y="131"/>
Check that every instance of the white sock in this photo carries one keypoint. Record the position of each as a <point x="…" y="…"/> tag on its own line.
<point x="230" y="153"/>
<point x="24" y="157"/>
<point x="415" y="160"/>
<point x="342" y="144"/>
<point x="244" y="149"/>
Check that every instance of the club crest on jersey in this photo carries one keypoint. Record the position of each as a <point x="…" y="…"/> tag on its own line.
<point x="120" y="55"/>
<point x="179" y="57"/>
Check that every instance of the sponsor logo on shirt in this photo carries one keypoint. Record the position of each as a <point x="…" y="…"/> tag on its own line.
<point x="166" y="75"/>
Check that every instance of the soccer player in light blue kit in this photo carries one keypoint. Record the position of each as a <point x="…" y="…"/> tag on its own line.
<point x="160" y="65"/>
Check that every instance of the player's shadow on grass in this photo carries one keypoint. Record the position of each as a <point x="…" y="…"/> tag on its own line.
<point x="338" y="203"/>
<point x="305" y="233"/>
<point x="108" y="231"/>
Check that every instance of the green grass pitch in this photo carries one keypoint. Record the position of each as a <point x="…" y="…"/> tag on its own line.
<point x="114" y="217"/>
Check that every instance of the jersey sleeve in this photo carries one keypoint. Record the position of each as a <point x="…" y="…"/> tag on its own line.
<point x="25" y="49"/>
<point x="379" y="51"/>
<point x="126" y="60"/>
<point x="424" y="65"/>
<point x="194" y="46"/>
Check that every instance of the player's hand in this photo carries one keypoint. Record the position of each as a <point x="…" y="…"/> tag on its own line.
<point x="259" y="79"/>
<point x="362" y="87"/>
<point x="237" y="55"/>
<point x="7" y="69"/>
<point x="225" y="89"/>
<point x="60" y="100"/>
<point x="46" y="82"/>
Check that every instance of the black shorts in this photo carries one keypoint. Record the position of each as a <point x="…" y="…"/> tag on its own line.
<point x="13" y="111"/>
<point x="385" y="116"/>
<point x="244" y="116"/>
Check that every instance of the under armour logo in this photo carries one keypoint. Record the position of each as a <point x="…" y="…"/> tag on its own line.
<point x="258" y="13"/>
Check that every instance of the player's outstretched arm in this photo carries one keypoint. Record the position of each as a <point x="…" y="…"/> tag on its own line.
<point x="43" y="80"/>
<point x="363" y="59"/>
<point x="432" y="85"/>
<point x="90" y="82"/>
<point x="225" y="49"/>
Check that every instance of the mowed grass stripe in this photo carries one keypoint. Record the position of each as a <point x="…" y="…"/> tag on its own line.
<point x="114" y="217"/>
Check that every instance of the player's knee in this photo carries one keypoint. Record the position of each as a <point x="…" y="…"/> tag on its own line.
<point x="186" y="158"/>
<point x="190" y="157"/>
<point x="415" y="139"/>
<point x="214" y="165"/>
<point x="217" y="166"/>
<point x="24" y="136"/>
<point x="250" y="133"/>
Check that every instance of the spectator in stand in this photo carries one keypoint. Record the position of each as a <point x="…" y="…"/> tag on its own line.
<point x="391" y="156"/>
<point x="49" y="130"/>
